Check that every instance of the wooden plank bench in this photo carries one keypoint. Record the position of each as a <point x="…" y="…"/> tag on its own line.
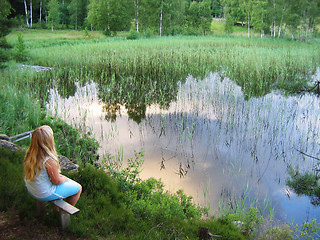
<point x="65" y="209"/>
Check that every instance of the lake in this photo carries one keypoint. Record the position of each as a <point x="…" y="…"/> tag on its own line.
<point x="220" y="148"/>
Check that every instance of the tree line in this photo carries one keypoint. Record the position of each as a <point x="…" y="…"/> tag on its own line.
<point x="170" y="17"/>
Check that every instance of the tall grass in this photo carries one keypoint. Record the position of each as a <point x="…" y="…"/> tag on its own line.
<point x="258" y="66"/>
<point x="19" y="112"/>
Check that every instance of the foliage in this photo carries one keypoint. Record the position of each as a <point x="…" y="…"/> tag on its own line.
<point x="71" y="144"/>
<point x="11" y="177"/>
<point x="107" y="210"/>
<point x="279" y="18"/>
<point x="127" y="175"/>
<point x="109" y="15"/>
<point x="228" y="27"/>
<point x="5" y="9"/>
<point x="305" y="184"/>
<point x="132" y="35"/>
<point x="54" y="14"/>
<point x="308" y="230"/>
<point x="21" y="52"/>
<point x="18" y="111"/>
<point x="248" y="222"/>
<point x="279" y="233"/>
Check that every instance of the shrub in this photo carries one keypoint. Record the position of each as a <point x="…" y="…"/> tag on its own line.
<point x="132" y="35"/>
<point x="21" y="52"/>
<point x="148" y="33"/>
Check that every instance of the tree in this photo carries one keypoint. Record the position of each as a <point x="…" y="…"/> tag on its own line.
<point x="109" y="15"/>
<point x="293" y="17"/>
<point x="78" y="12"/>
<point x="216" y="8"/>
<point x="64" y="13"/>
<point x="260" y="16"/>
<point x="247" y="6"/>
<point x="5" y="10"/>
<point x="21" y="52"/>
<point x="54" y="13"/>
<point x="205" y="16"/>
<point x="199" y="15"/>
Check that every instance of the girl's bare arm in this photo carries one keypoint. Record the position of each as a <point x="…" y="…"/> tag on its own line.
<point x="54" y="173"/>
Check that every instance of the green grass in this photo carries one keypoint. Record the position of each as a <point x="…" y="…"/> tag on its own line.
<point x="148" y="65"/>
<point x="110" y="209"/>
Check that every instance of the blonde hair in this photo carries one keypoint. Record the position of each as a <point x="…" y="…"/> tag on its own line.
<point x="41" y="146"/>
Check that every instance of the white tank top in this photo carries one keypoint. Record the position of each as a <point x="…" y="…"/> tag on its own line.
<point x="42" y="186"/>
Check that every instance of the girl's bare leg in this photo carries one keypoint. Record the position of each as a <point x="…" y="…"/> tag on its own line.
<point x="74" y="198"/>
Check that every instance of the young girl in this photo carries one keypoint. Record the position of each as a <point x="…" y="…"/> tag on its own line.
<point x="42" y="170"/>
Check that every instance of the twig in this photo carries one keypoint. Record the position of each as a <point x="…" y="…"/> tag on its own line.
<point x="308" y="155"/>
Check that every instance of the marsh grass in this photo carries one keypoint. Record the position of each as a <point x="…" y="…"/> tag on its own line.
<point x="151" y="65"/>
<point x="19" y="112"/>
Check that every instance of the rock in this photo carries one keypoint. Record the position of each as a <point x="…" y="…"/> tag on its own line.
<point x="65" y="164"/>
<point x="11" y="146"/>
<point x="4" y="137"/>
<point x="35" y="67"/>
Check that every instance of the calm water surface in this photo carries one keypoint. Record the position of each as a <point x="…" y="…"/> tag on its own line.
<point x="217" y="146"/>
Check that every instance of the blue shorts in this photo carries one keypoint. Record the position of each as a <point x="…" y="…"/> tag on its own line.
<point x="63" y="190"/>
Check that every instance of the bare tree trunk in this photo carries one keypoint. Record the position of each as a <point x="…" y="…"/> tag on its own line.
<point x="307" y="26"/>
<point x="62" y="23"/>
<point x="31" y="13"/>
<point x="160" y="27"/>
<point x="76" y="21"/>
<point x="40" y="11"/>
<point x="301" y="33"/>
<point x="262" y="30"/>
<point x="280" y="27"/>
<point x="136" y="4"/>
<point x="248" y="24"/>
<point x="26" y="12"/>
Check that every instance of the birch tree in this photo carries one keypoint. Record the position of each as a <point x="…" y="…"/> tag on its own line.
<point x="260" y="16"/>
<point x="109" y="15"/>
<point x="247" y="6"/>
<point x="53" y="13"/>
<point x="26" y="12"/>
<point x="136" y="13"/>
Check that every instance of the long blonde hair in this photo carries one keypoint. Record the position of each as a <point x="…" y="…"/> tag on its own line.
<point x="41" y="146"/>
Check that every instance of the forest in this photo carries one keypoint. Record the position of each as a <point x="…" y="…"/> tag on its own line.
<point x="296" y="19"/>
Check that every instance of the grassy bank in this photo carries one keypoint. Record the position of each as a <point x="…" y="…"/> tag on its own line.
<point x="115" y="209"/>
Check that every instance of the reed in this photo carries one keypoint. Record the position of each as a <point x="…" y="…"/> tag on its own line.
<point x="147" y="65"/>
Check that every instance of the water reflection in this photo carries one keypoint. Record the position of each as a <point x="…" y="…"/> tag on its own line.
<point x="217" y="146"/>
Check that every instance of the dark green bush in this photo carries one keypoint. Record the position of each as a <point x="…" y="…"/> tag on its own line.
<point x="132" y="35"/>
<point x="142" y="211"/>
<point x="11" y="178"/>
<point x="21" y="53"/>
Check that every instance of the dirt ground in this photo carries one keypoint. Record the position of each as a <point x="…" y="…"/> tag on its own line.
<point x="12" y="228"/>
